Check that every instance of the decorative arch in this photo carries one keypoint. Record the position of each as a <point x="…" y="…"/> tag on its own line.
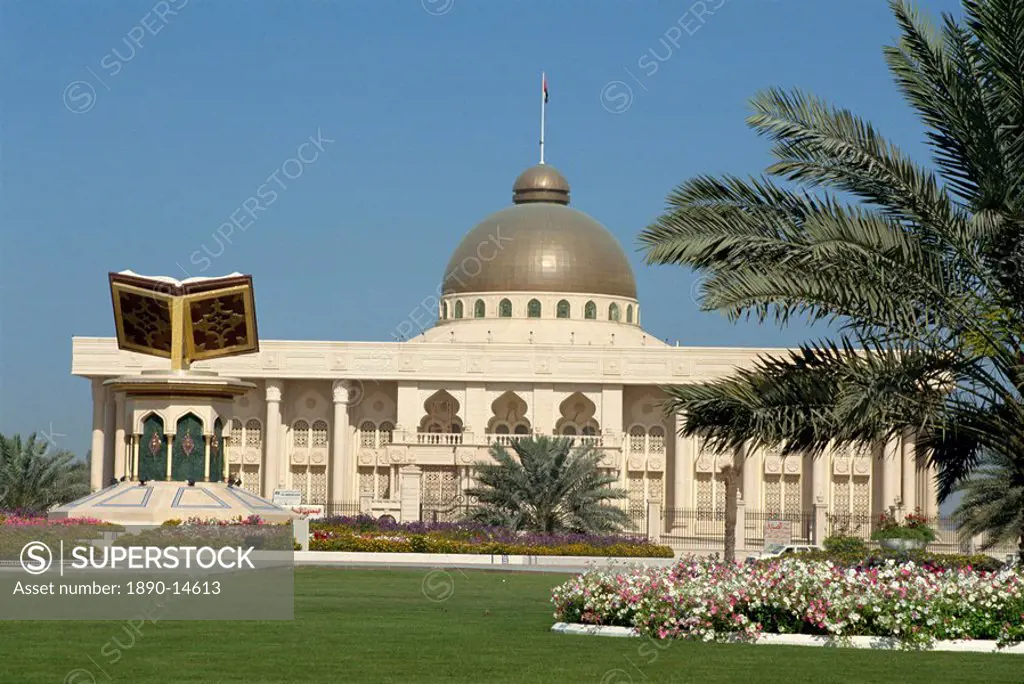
<point x="590" y="311"/>
<point x="613" y="312"/>
<point x="562" y="310"/>
<point x="458" y="308"/>
<point x="577" y="416"/>
<point x="629" y="313"/>
<point x="508" y="414"/>
<point x="188" y="457"/>
<point x="479" y="309"/>
<point x="153" y="449"/>
<point x="441" y="413"/>
<point x="533" y="308"/>
<point x="444" y="310"/>
<point x="505" y="308"/>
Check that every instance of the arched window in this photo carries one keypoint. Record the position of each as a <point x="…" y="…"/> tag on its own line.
<point x="522" y="429"/>
<point x="562" y="310"/>
<point x="629" y="313"/>
<point x="613" y="312"/>
<point x="254" y="433"/>
<point x="505" y="309"/>
<point x="387" y="432"/>
<point x="479" y="309"/>
<point x="657" y="440"/>
<point x="501" y="429"/>
<point x="569" y="430"/>
<point x="636" y="439"/>
<point x="533" y="309"/>
<point x="300" y="434"/>
<point x="367" y="434"/>
<point x="458" y="309"/>
<point x="590" y="311"/>
<point x="444" y="310"/>
<point x="589" y="430"/>
<point x="319" y="436"/>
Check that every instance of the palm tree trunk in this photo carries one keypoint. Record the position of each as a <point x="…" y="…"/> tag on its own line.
<point x="729" y="474"/>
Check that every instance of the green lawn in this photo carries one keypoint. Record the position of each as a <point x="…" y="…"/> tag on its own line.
<point x="380" y="626"/>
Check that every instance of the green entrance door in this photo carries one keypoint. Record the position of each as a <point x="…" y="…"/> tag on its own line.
<point x="153" y="450"/>
<point x="188" y="459"/>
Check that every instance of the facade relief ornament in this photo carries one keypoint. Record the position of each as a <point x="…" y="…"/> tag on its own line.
<point x="840" y="465"/>
<point x="862" y="466"/>
<point x="656" y="464"/>
<point x="300" y="457"/>
<point x="724" y="460"/>
<point x="793" y="464"/>
<point x="318" y="457"/>
<point x="772" y="464"/>
<point x="705" y="464"/>
<point x="636" y="463"/>
<point x="252" y="456"/>
<point x="366" y="457"/>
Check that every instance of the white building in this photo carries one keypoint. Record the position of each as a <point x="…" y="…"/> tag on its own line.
<point x="538" y="332"/>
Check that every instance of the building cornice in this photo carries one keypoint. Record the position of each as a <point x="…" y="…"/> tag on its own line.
<point x="451" y="362"/>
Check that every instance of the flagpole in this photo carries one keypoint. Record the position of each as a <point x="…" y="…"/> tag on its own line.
<point x="543" y="111"/>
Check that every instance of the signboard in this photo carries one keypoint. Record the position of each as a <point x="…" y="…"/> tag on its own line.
<point x="287" y="497"/>
<point x="310" y="511"/>
<point x="777" y="535"/>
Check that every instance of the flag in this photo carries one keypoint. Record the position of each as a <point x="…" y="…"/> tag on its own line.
<point x="545" y="89"/>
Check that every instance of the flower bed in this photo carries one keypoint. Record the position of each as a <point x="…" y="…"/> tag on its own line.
<point x="251" y="531"/>
<point x="365" y="534"/>
<point x="19" y="528"/>
<point x="711" y="601"/>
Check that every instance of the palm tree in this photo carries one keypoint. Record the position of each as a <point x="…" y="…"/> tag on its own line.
<point x="993" y="502"/>
<point x="917" y="271"/>
<point x="32" y="478"/>
<point x="548" y="486"/>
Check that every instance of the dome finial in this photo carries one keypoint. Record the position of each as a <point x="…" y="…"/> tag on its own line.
<point x="541" y="183"/>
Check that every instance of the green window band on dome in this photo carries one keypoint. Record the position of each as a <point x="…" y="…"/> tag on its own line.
<point x="458" y="309"/>
<point x="505" y="309"/>
<point x="562" y="310"/>
<point x="533" y="308"/>
<point x="479" y="309"/>
<point x="590" y="311"/>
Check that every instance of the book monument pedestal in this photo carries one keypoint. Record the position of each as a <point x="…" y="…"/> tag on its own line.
<point x="170" y="460"/>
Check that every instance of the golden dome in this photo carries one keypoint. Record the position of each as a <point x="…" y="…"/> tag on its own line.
<point x="540" y="245"/>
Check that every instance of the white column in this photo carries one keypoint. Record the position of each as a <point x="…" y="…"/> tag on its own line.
<point x="206" y="457"/>
<point x="819" y="478"/>
<point x="342" y="468"/>
<point x="272" y="439"/>
<point x="611" y="410"/>
<point x="99" y="407"/>
<point x="890" y="474"/>
<point x="908" y="446"/>
<point x="478" y="411"/>
<point x="543" y="410"/>
<point x="409" y="409"/>
<point x="119" y="440"/>
<point x="751" y="468"/>
<point x="682" y="496"/>
<point x="109" y="415"/>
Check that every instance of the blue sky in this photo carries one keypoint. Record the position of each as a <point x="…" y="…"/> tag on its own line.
<point x="131" y="134"/>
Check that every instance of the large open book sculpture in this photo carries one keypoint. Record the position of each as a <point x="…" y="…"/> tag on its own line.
<point x="187" y="320"/>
